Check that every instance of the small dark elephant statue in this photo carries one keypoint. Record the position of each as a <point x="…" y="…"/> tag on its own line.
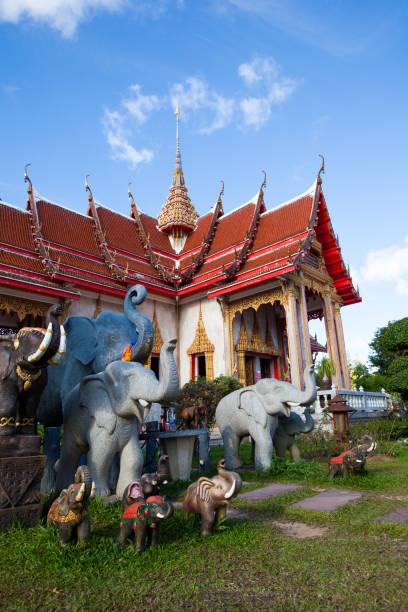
<point x="23" y="372"/>
<point x="210" y="497"/>
<point x="142" y="519"/>
<point x="352" y="460"/>
<point x="69" y="512"/>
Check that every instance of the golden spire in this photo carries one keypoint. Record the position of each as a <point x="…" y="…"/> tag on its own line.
<point x="178" y="215"/>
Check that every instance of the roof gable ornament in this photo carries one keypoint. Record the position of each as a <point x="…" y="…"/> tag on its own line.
<point x="108" y="257"/>
<point x="250" y="235"/>
<point x="49" y="266"/>
<point x="321" y="171"/>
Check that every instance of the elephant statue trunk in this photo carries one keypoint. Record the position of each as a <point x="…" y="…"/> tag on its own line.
<point x="143" y="346"/>
<point x="168" y="388"/>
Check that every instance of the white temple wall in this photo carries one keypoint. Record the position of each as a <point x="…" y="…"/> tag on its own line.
<point x="214" y="326"/>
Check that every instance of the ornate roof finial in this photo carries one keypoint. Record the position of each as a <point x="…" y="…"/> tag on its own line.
<point x="321" y="171"/>
<point x="131" y="198"/>
<point x="221" y="193"/>
<point x="87" y="188"/>
<point x="263" y="184"/>
<point x="28" y="180"/>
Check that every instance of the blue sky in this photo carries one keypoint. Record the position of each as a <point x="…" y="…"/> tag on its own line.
<point x="89" y="86"/>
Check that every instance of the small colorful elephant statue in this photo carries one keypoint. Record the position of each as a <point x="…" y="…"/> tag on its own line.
<point x="142" y="519"/>
<point x="149" y="484"/>
<point x="353" y="459"/>
<point x="209" y="497"/>
<point x="69" y="512"/>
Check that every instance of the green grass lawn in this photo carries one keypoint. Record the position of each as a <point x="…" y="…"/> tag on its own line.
<point x="247" y="564"/>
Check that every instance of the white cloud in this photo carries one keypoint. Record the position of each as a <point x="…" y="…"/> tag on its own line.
<point x="195" y="95"/>
<point x="140" y="106"/>
<point x="118" y="140"/>
<point x="263" y="72"/>
<point x="260" y="68"/>
<point x="388" y="265"/>
<point x="62" y="15"/>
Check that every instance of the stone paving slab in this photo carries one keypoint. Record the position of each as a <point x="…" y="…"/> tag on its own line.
<point x="272" y="490"/>
<point x="328" y="500"/>
<point x="396" y="516"/>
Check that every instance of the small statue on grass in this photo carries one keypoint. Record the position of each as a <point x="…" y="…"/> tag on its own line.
<point x="209" y="497"/>
<point x="352" y="460"/>
<point x="69" y="512"/>
<point x="141" y="519"/>
<point x="148" y="485"/>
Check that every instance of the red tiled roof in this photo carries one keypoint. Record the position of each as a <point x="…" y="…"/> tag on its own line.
<point x="81" y="263"/>
<point x="121" y="232"/>
<point x="283" y="222"/>
<point x="195" y="239"/>
<point x="158" y="239"/>
<point x="15" y="228"/>
<point x="67" y="228"/>
<point x="21" y="262"/>
<point x="231" y="228"/>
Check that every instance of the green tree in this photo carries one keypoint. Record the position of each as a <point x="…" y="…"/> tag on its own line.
<point x="390" y="355"/>
<point x="323" y="368"/>
<point x="389" y="343"/>
<point x="362" y="377"/>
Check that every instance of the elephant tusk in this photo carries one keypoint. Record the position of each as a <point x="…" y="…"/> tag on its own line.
<point x="93" y="490"/>
<point x="81" y="493"/>
<point x="43" y="346"/>
<point x="230" y="493"/>
<point x="61" y="349"/>
<point x="160" y="515"/>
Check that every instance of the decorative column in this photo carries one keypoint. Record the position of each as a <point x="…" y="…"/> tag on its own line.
<point x="241" y="346"/>
<point x="331" y="337"/>
<point x="341" y="345"/>
<point x="292" y="327"/>
<point x="305" y="326"/>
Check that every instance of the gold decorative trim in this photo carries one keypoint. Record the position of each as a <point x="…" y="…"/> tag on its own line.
<point x="28" y="377"/>
<point x="255" y="301"/>
<point x="157" y="338"/>
<point x="23" y="307"/>
<point x="98" y="307"/>
<point x="202" y="344"/>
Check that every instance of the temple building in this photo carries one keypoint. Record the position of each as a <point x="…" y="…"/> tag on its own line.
<point x="236" y="289"/>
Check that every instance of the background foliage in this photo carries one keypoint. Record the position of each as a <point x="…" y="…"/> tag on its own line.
<point x="209" y="392"/>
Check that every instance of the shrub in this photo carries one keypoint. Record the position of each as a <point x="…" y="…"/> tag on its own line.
<point x="209" y="392"/>
<point x="294" y="470"/>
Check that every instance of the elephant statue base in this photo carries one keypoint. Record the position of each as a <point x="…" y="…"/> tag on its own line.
<point x="69" y="512"/>
<point x="142" y="519"/>
<point x="21" y="469"/>
<point x="210" y="497"/>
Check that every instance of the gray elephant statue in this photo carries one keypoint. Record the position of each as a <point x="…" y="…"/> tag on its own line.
<point x="91" y="345"/>
<point x="103" y="415"/>
<point x="69" y="512"/>
<point x="209" y="497"/>
<point x="254" y="411"/>
<point x="288" y="428"/>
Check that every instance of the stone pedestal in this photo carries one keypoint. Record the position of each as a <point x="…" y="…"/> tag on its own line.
<point x="179" y="446"/>
<point x="21" y="469"/>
